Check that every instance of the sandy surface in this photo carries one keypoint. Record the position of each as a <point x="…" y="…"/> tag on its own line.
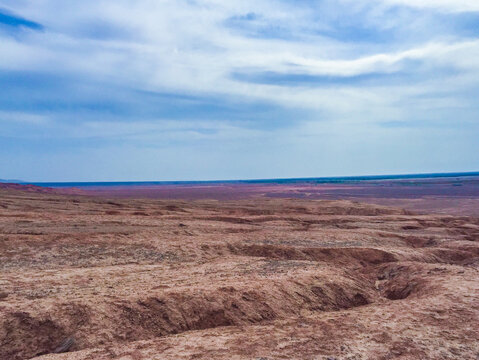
<point x="262" y="278"/>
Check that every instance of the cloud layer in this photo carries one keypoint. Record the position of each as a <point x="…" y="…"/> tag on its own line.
<point x="185" y="89"/>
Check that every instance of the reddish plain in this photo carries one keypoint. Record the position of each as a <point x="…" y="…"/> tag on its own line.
<point x="92" y="277"/>
<point x="445" y="195"/>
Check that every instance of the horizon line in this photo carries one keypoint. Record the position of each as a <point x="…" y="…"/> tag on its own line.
<point x="348" y="177"/>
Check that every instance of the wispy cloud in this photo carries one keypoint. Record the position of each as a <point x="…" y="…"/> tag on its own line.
<point x="237" y="75"/>
<point x="444" y="5"/>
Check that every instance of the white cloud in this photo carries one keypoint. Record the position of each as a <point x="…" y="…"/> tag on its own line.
<point x="194" y="48"/>
<point x="23" y="118"/>
<point x="447" y="5"/>
<point x="177" y="46"/>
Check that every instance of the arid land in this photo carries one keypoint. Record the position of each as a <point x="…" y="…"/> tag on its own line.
<point x="273" y="273"/>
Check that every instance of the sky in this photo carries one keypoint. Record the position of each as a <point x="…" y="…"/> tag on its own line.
<point x="118" y="90"/>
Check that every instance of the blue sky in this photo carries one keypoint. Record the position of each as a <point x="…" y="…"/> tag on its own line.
<point x="105" y="90"/>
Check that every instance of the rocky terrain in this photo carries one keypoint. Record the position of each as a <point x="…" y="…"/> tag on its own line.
<point x="85" y="277"/>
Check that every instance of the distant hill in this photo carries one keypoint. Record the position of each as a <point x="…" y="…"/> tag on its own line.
<point x="38" y="189"/>
<point x="12" y="181"/>
<point x="11" y="185"/>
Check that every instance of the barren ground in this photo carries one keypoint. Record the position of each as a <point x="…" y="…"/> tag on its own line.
<point x="261" y="278"/>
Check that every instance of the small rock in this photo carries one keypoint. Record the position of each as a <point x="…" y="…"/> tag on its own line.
<point x="65" y="346"/>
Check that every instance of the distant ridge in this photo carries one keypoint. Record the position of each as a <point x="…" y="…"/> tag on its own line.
<point x="12" y="181"/>
<point x="39" y="189"/>
<point x="312" y="180"/>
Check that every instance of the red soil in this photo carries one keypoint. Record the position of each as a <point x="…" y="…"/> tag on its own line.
<point x="95" y="278"/>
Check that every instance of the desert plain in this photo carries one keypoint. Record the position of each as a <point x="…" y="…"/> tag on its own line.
<point x="130" y="276"/>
